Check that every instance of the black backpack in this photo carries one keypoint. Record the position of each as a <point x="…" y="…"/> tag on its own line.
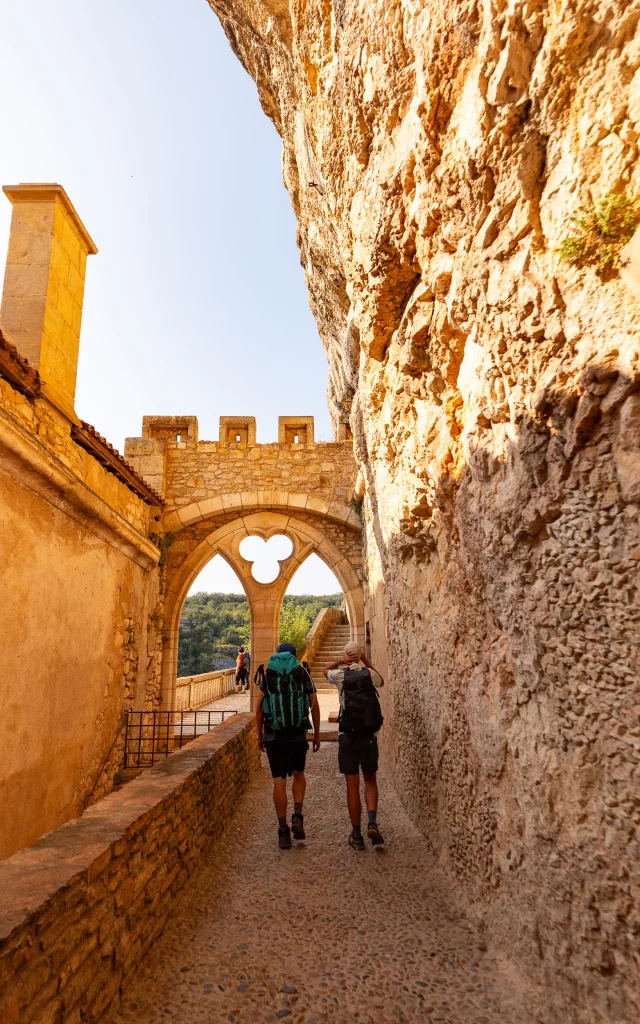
<point x="360" y="710"/>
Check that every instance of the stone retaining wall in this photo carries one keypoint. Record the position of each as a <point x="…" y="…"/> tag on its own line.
<point x="80" y="908"/>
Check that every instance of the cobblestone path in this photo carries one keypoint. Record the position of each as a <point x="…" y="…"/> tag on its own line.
<point x="319" y="934"/>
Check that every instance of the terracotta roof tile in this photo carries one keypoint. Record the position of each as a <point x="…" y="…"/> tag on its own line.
<point x="16" y="369"/>
<point x="93" y="442"/>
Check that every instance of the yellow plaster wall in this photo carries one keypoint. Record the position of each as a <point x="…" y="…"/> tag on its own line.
<point x="79" y="592"/>
<point x="75" y="617"/>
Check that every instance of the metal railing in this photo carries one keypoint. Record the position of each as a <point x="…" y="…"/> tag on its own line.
<point x="193" y="691"/>
<point x="151" y="736"/>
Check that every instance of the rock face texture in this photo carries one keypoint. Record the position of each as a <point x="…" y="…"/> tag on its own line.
<point x="434" y="153"/>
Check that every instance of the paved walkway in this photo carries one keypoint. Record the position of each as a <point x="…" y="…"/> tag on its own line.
<point x="319" y="934"/>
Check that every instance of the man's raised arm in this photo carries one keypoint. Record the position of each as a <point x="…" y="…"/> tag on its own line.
<point x="371" y="668"/>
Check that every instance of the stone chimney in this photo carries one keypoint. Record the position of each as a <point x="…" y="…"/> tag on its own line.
<point x="44" y="286"/>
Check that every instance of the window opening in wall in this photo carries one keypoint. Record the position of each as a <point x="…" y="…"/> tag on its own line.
<point x="313" y="587"/>
<point x="237" y="437"/>
<point x="295" y="435"/>
<point x="266" y="556"/>
<point x="178" y="437"/>
<point x="215" y="621"/>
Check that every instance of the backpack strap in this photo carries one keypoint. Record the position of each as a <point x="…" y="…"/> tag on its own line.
<point x="260" y="675"/>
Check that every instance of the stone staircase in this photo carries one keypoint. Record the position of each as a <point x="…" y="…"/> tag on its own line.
<point x="331" y="648"/>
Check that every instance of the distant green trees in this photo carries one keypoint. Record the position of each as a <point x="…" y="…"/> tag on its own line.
<point x="213" y="626"/>
<point x="295" y="623"/>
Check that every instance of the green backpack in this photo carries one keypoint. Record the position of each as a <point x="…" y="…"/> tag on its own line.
<point x="286" y="703"/>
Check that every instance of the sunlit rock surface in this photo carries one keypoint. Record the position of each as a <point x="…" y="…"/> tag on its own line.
<point x="434" y="153"/>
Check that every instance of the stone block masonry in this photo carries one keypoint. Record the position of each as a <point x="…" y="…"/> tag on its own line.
<point x="80" y="908"/>
<point x="184" y="469"/>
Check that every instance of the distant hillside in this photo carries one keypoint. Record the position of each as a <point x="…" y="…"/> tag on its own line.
<point x="212" y="626"/>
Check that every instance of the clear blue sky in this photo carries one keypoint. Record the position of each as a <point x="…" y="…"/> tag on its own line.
<point x="196" y="302"/>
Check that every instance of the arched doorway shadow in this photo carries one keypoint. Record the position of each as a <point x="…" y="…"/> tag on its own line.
<point x="265" y="600"/>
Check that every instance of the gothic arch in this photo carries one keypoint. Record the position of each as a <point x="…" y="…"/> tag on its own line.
<point x="265" y="600"/>
<point x="245" y="502"/>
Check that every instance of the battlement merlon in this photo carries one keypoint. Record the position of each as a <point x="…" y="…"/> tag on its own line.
<point x="175" y="463"/>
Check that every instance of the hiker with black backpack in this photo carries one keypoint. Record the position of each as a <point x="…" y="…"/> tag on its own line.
<point x="287" y="698"/>
<point x="360" y="719"/>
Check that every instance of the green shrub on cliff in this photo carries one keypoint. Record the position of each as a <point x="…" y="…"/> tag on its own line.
<point x="599" y="232"/>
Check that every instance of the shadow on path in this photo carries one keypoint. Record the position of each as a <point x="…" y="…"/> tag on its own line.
<point x="319" y="934"/>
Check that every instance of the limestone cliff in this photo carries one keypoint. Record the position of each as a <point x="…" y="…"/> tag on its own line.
<point x="434" y="153"/>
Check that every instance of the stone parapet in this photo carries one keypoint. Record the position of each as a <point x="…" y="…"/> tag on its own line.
<point x="326" y="470"/>
<point x="183" y="470"/>
<point x="80" y="908"/>
<point x="194" y="691"/>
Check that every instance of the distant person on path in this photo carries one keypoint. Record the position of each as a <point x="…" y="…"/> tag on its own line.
<point x="242" y="676"/>
<point x="247" y="665"/>
<point x="287" y="697"/>
<point x="360" y="719"/>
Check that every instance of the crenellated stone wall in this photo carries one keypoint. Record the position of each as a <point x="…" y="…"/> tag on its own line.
<point x="434" y="155"/>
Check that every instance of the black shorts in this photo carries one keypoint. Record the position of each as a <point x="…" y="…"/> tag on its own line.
<point x="242" y="677"/>
<point x="286" y="757"/>
<point x="357" y="752"/>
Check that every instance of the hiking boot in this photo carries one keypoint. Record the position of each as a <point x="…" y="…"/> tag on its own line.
<point x="374" y="834"/>
<point x="356" y="842"/>
<point x="297" y="826"/>
<point x="284" y="838"/>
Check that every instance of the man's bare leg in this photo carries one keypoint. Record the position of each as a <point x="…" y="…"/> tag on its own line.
<point x="371" y="792"/>
<point x="355" y="811"/>
<point x="371" y="803"/>
<point x="280" y="797"/>
<point x="298" y="789"/>
<point x="353" y="798"/>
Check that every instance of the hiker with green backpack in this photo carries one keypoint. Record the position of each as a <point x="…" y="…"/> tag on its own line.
<point x="287" y="699"/>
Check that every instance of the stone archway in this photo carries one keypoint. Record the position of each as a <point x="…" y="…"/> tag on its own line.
<point x="216" y="493"/>
<point x="265" y="600"/>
